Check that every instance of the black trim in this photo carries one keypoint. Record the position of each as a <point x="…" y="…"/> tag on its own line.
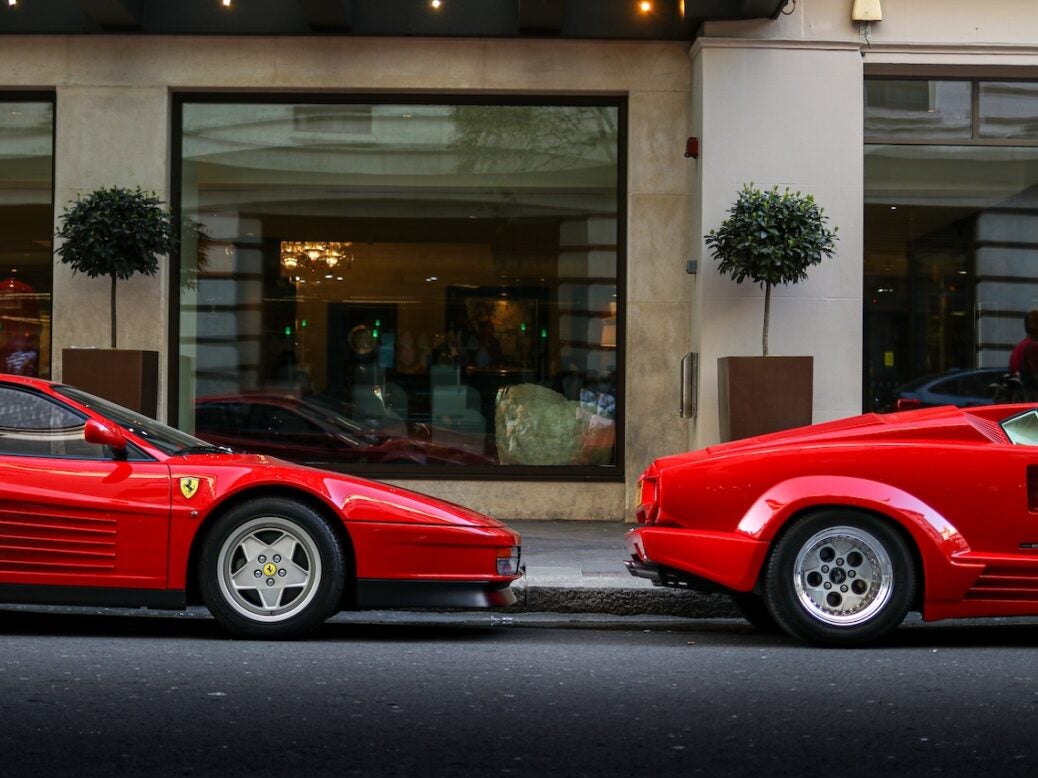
<point x="373" y="593"/>
<point x="573" y="19"/>
<point x="24" y="594"/>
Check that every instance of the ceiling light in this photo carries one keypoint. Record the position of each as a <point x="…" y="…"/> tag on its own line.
<point x="226" y="3"/>
<point x="645" y="6"/>
<point x="316" y="256"/>
<point x="436" y="4"/>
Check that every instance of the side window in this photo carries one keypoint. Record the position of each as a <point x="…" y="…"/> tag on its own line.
<point x="36" y="426"/>
<point x="951" y="386"/>
<point x="279" y="421"/>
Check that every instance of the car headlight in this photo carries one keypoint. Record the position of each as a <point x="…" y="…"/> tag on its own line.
<point x="508" y="561"/>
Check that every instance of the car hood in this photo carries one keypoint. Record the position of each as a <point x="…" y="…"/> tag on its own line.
<point x="932" y="425"/>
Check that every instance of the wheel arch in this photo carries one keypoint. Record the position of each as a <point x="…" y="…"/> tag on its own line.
<point x="909" y="539"/>
<point x="935" y="541"/>
<point x="320" y="507"/>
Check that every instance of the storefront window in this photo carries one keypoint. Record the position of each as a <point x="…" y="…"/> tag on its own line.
<point x="26" y="224"/>
<point x="951" y="258"/>
<point x="400" y="286"/>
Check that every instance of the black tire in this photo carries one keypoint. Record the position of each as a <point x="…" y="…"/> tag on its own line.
<point x="752" y="608"/>
<point x="840" y="578"/>
<point x="292" y="556"/>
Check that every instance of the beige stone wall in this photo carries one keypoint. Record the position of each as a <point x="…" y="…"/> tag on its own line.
<point x="780" y="104"/>
<point x="774" y="102"/>
<point x="113" y="128"/>
<point x="796" y="124"/>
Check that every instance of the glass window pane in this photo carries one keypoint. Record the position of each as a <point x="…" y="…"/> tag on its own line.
<point x="26" y="224"/>
<point x="951" y="263"/>
<point x="416" y="284"/>
<point x="917" y="109"/>
<point x="1008" y="109"/>
<point x="35" y="426"/>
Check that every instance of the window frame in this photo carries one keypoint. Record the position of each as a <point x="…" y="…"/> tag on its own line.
<point x="614" y="473"/>
<point x="975" y="77"/>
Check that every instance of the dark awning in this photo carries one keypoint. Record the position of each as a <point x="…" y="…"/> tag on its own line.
<point x="618" y="19"/>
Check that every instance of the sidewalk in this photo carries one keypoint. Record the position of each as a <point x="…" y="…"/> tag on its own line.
<point x="578" y="567"/>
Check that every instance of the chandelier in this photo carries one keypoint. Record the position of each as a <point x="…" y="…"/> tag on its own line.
<point x="315" y="256"/>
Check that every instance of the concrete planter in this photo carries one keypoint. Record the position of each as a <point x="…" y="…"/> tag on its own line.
<point x="758" y="395"/>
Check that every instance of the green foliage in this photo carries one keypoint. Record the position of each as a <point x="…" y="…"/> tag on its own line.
<point x="116" y="233"/>
<point x="771" y="238"/>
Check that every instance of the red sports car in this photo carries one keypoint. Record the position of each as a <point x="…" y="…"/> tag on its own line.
<point x="102" y="506"/>
<point x="834" y="532"/>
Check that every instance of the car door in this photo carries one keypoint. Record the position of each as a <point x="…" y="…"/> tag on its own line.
<point x="70" y="514"/>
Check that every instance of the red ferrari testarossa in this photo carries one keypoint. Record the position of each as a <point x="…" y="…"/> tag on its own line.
<point x="835" y="532"/>
<point x="102" y="506"/>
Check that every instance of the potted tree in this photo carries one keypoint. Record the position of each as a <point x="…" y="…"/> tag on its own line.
<point x="116" y="233"/>
<point x="771" y="239"/>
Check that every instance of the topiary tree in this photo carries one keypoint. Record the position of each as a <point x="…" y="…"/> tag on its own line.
<point x="771" y="238"/>
<point x="116" y="233"/>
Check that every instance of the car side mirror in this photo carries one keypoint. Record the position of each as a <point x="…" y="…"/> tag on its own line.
<point x="101" y="434"/>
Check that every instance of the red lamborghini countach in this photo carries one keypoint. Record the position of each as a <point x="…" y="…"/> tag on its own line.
<point x="102" y="506"/>
<point x="834" y="532"/>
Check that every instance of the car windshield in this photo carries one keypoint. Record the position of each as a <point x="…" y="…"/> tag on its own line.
<point x="165" y="439"/>
<point x="1022" y="429"/>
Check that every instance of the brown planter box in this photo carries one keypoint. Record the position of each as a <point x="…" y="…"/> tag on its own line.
<point x="126" y="377"/>
<point x="758" y="395"/>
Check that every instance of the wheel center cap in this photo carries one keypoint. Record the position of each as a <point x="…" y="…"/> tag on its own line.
<point x="837" y="576"/>
<point x="269" y="569"/>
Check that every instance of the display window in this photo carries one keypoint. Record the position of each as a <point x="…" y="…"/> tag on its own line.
<point x="951" y="238"/>
<point x="26" y="224"/>
<point x="403" y="286"/>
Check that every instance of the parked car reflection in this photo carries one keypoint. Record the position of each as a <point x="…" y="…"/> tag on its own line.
<point x="318" y="428"/>
<point x="961" y="388"/>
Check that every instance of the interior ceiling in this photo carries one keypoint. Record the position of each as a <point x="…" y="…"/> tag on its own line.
<point x="667" y="19"/>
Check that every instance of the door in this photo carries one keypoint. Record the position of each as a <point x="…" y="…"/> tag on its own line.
<point x="70" y="515"/>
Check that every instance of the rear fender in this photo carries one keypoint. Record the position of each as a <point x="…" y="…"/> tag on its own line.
<point x="937" y="540"/>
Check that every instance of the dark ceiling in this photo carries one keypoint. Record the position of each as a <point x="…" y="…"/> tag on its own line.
<point x="618" y="19"/>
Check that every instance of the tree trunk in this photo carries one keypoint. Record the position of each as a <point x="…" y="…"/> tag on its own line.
<point x="113" y="309"/>
<point x="767" y="315"/>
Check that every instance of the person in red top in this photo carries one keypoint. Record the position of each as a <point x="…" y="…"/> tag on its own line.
<point x="1024" y="359"/>
<point x="1031" y="328"/>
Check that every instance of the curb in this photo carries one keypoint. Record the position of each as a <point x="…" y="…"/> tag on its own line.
<point x="622" y="602"/>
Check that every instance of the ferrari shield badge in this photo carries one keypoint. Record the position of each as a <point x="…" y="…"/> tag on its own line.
<point x="188" y="487"/>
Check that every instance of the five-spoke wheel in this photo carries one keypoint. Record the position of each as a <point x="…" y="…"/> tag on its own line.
<point x="272" y="568"/>
<point x="840" y="577"/>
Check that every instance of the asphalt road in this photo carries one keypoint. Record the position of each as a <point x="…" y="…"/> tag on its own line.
<point x="122" y="695"/>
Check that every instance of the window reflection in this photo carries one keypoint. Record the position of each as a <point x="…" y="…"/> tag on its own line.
<point x="951" y="269"/>
<point x="402" y="284"/>
<point x="1009" y="109"/>
<point x="26" y="223"/>
<point x="917" y="108"/>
